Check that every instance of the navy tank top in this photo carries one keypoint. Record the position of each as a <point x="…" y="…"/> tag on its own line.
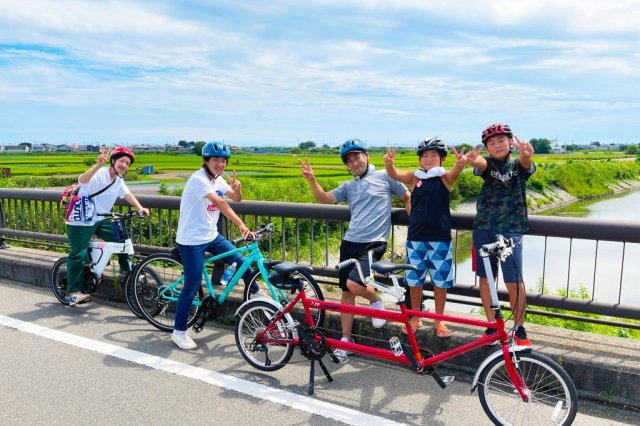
<point x="430" y="218"/>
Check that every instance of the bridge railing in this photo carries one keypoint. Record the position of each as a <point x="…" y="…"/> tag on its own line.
<point x="311" y="233"/>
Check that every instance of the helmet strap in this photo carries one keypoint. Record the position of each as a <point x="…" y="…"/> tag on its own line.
<point x="208" y="172"/>
<point x="113" y="166"/>
<point x="356" y="177"/>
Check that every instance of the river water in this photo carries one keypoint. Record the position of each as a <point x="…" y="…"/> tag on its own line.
<point x="602" y="273"/>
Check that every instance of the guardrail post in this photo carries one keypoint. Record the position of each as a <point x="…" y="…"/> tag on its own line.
<point x="3" y="243"/>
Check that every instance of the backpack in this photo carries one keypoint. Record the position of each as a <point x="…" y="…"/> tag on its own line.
<point x="68" y="194"/>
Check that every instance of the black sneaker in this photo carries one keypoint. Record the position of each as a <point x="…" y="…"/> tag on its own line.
<point x="490" y="332"/>
<point x="520" y="337"/>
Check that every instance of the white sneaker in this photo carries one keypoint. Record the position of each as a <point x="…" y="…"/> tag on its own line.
<point x="342" y="354"/>
<point x="183" y="340"/>
<point x="76" y="298"/>
<point x="259" y="293"/>
<point x="378" y="322"/>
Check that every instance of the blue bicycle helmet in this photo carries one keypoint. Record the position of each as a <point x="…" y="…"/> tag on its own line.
<point x="432" y="144"/>
<point x="351" y="145"/>
<point x="216" y="149"/>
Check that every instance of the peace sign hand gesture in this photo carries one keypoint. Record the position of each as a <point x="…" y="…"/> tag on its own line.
<point x="461" y="158"/>
<point x="105" y="153"/>
<point x="233" y="182"/>
<point x="307" y="171"/>
<point x="473" y="154"/>
<point x="525" y="148"/>
<point x="390" y="156"/>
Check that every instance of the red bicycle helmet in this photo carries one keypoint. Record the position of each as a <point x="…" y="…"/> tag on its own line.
<point x="122" y="151"/>
<point x="495" y="130"/>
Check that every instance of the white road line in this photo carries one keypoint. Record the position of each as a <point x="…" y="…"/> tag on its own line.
<point x="299" y="402"/>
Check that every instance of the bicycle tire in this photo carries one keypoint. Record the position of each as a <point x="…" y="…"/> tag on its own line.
<point x="254" y="316"/>
<point x="59" y="280"/>
<point x="553" y="397"/>
<point x="310" y="286"/>
<point x="130" y="297"/>
<point x="161" y="270"/>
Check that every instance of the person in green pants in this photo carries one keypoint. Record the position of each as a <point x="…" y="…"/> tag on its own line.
<point x="108" y="183"/>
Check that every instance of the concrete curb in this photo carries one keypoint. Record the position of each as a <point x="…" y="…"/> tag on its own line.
<point x="603" y="368"/>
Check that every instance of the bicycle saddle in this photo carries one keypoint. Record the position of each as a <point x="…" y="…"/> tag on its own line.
<point x="385" y="267"/>
<point x="286" y="268"/>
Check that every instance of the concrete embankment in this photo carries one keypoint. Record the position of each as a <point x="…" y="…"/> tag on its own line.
<point x="602" y="367"/>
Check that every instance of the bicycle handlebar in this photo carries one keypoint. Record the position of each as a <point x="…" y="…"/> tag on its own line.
<point x="115" y="216"/>
<point x="502" y="248"/>
<point x="263" y="229"/>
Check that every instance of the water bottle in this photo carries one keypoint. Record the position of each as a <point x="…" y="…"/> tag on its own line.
<point x="228" y="273"/>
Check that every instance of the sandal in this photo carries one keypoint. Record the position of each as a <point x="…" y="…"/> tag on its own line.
<point x="442" y="331"/>
<point x="414" y="326"/>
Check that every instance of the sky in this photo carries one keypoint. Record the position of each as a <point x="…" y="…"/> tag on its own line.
<point x="278" y="72"/>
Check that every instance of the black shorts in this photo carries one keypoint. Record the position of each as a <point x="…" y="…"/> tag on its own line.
<point x="351" y="250"/>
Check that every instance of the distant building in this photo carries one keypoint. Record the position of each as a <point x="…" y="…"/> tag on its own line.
<point x="16" y="148"/>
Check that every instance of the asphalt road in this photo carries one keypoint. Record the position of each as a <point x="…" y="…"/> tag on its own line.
<point x="98" y="364"/>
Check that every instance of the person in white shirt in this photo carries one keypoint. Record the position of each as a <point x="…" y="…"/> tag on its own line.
<point x="109" y="183"/>
<point x="200" y="207"/>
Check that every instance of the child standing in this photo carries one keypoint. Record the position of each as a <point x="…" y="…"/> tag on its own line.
<point x="502" y="209"/>
<point x="429" y="237"/>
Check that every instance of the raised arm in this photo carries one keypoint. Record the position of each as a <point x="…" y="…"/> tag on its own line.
<point x="476" y="160"/>
<point x="526" y="152"/>
<point x="235" y="193"/>
<point x="321" y="195"/>
<point x="452" y="174"/>
<point x="84" y="178"/>
<point x="408" y="178"/>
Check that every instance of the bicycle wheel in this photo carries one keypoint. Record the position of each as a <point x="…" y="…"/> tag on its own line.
<point x="553" y="399"/>
<point x="59" y="280"/>
<point x="310" y="286"/>
<point x="157" y="282"/>
<point x="130" y="297"/>
<point x="254" y="317"/>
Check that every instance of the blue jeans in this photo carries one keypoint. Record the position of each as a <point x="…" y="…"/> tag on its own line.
<point x="193" y="261"/>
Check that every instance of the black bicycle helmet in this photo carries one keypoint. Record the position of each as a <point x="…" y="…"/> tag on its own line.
<point x="432" y="144"/>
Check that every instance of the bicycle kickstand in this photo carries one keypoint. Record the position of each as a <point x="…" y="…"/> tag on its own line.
<point x="312" y="375"/>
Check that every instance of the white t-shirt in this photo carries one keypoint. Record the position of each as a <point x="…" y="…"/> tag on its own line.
<point x="198" y="223"/>
<point x="105" y="201"/>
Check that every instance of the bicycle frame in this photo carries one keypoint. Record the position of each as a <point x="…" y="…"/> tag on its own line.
<point x="253" y="255"/>
<point x="101" y="252"/>
<point x="413" y="359"/>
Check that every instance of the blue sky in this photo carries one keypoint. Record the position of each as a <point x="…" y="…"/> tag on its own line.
<point x="281" y="72"/>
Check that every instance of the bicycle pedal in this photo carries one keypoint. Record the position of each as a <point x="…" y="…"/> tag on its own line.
<point x="197" y="328"/>
<point x="448" y="379"/>
<point x="396" y="346"/>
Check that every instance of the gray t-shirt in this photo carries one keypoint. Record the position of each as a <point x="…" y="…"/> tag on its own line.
<point x="369" y="200"/>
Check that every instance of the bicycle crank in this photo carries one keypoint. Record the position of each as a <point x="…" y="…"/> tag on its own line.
<point x="210" y="309"/>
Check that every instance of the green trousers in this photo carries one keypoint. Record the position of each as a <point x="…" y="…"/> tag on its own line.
<point x="79" y="237"/>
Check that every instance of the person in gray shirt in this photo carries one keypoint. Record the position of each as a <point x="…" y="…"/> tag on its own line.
<point x="369" y="198"/>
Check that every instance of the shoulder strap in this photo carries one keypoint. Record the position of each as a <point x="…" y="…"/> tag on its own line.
<point x="95" y="194"/>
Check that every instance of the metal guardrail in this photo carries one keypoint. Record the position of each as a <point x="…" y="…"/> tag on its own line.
<point x="311" y="236"/>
